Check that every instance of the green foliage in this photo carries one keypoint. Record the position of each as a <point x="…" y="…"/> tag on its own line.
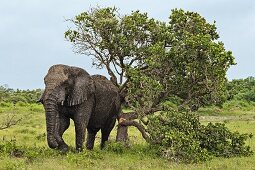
<point x="20" y="97"/>
<point x="5" y="104"/>
<point x="116" y="147"/>
<point x="238" y="105"/>
<point x="199" y="61"/>
<point x="181" y="57"/>
<point x="116" y="43"/>
<point x="187" y="62"/>
<point x="249" y="95"/>
<point x="12" y="149"/>
<point x="35" y="107"/>
<point x="180" y="136"/>
<point x="20" y="103"/>
<point x="220" y="141"/>
<point x="241" y="89"/>
<point x="80" y="158"/>
<point x="140" y="93"/>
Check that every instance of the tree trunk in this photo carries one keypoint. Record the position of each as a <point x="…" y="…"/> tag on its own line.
<point x="122" y="130"/>
<point x="122" y="133"/>
<point x="125" y="120"/>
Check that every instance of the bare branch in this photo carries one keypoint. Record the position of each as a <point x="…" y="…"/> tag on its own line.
<point x="10" y="121"/>
<point x="123" y="86"/>
<point x="128" y="116"/>
<point x="140" y="127"/>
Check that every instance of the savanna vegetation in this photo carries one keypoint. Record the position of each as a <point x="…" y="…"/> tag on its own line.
<point x="24" y="146"/>
<point x="172" y="78"/>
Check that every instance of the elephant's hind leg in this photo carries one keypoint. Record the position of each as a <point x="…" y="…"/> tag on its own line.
<point x="106" y="131"/>
<point x="91" y="137"/>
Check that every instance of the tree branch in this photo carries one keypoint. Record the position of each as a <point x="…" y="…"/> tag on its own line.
<point x="128" y="116"/>
<point x="140" y="127"/>
<point x="9" y="122"/>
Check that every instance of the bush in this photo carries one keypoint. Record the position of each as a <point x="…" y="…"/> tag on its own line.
<point x="11" y="148"/>
<point x="220" y="141"/>
<point x="15" y="96"/>
<point x="180" y="136"/>
<point x="36" y="108"/>
<point x="238" y="105"/>
<point x="15" y="99"/>
<point x="116" y="147"/>
<point x="5" y="104"/>
<point x="21" y="104"/>
<point x="250" y="95"/>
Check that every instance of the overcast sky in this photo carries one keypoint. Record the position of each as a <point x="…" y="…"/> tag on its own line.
<point x="32" y="33"/>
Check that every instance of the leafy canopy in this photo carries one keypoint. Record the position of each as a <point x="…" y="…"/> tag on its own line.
<point x="151" y="60"/>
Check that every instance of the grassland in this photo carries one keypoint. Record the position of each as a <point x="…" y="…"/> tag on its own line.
<point x="24" y="146"/>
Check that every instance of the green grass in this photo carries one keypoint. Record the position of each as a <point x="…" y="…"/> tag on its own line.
<point x="229" y="108"/>
<point x="28" y="148"/>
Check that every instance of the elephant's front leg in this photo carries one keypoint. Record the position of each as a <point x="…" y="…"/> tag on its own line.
<point x="81" y="122"/>
<point x="80" y="129"/>
<point x="64" y="123"/>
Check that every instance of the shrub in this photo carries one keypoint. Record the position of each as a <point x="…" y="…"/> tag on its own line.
<point x="11" y="148"/>
<point x="5" y="104"/>
<point x="16" y="98"/>
<point x="250" y="95"/>
<point x="36" y="108"/>
<point x="220" y="141"/>
<point x="180" y="136"/>
<point x="116" y="147"/>
<point x="21" y="104"/>
<point x="238" y="105"/>
<point x="8" y="147"/>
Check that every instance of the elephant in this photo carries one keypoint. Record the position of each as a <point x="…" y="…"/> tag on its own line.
<point x="92" y="102"/>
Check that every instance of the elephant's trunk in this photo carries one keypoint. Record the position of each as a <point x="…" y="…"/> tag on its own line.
<point x="51" y="110"/>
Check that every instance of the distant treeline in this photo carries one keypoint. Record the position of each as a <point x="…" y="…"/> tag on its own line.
<point x="13" y="96"/>
<point x="237" y="89"/>
<point x="241" y="89"/>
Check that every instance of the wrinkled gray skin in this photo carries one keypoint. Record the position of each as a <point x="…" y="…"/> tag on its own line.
<point x="92" y="102"/>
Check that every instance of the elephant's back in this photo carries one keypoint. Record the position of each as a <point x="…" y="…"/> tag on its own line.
<point x="104" y="86"/>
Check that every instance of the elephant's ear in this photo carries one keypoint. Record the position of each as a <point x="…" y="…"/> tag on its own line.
<point x="83" y="87"/>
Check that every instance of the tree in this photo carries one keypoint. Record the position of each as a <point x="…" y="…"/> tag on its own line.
<point x="14" y="96"/>
<point x="151" y="61"/>
<point x="120" y="44"/>
<point x="162" y="69"/>
<point x="4" y="92"/>
<point x="241" y="89"/>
